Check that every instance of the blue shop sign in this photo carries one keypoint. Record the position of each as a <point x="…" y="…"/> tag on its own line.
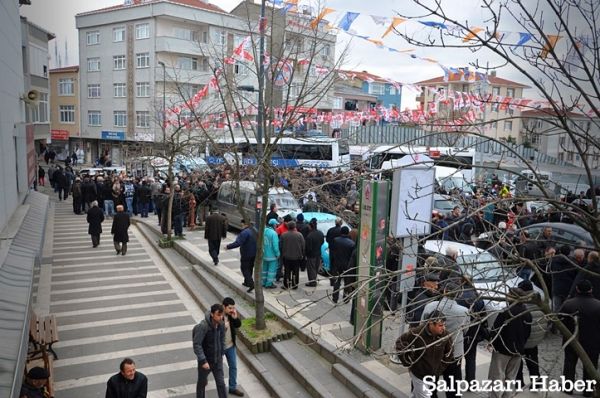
<point x="113" y="135"/>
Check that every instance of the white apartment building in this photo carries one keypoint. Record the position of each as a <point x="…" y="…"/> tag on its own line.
<point x="131" y="54"/>
<point x="500" y="123"/>
<point x="541" y="129"/>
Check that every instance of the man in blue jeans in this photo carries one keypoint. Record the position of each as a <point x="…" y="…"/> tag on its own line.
<point x="231" y="322"/>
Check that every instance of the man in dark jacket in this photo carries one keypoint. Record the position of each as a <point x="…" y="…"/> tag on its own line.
<point x="333" y="233"/>
<point x="313" y="242"/>
<point x="591" y="272"/>
<point x="119" y="229"/>
<point x="208" y="339"/>
<point x="246" y="241"/>
<point x="94" y="219"/>
<point x="272" y="214"/>
<point x="231" y="322"/>
<point x="509" y="334"/>
<point x="128" y="383"/>
<point x="77" y="196"/>
<point x="340" y="258"/>
<point x="88" y="193"/>
<point x="426" y="350"/>
<point x="144" y="195"/>
<point x="586" y="309"/>
<point x="292" y="248"/>
<point x="563" y="274"/>
<point x="301" y="225"/>
<point x="214" y="231"/>
<point x="35" y="382"/>
<point x="62" y="183"/>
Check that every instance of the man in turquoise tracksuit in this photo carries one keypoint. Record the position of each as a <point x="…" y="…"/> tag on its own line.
<point x="270" y="255"/>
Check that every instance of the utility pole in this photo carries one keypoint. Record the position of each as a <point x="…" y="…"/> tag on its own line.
<point x="483" y="88"/>
<point x="164" y="104"/>
<point x="261" y="88"/>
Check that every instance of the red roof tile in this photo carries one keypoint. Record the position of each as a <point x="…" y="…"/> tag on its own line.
<point x="364" y="75"/>
<point x="190" y="3"/>
<point x="456" y="78"/>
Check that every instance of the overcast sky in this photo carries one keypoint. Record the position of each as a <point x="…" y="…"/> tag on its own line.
<point x="58" y="16"/>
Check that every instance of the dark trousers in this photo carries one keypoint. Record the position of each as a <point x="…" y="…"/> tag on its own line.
<point x="571" y="359"/>
<point x="213" y="249"/>
<point x="291" y="272"/>
<point x="217" y="371"/>
<point x="95" y="240"/>
<point x="470" y="348"/>
<point x="121" y="247"/>
<point x="336" y="282"/>
<point x="77" y="204"/>
<point x="530" y="355"/>
<point x="144" y="208"/>
<point x="453" y="369"/>
<point x="312" y="267"/>
<point x="178" y="224"/>
<point x="247" y="267"/>
<point x="62" y="193"/>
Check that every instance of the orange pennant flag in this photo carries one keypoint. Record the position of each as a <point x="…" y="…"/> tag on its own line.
<point x="472" y="33"/>
<point x="395" y="22"/>
<point x="552" y="40"/>
<point x="378" y="43"/>
<point x="315" y="22"/>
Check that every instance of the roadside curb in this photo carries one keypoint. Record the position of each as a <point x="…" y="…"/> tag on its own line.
<point x="323" y="348"/>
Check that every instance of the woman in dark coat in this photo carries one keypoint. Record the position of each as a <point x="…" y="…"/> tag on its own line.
<point x="95" y="216"/>
<point x="119" y="229"/>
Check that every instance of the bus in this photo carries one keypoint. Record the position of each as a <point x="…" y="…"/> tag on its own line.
<point x="309" y="152"/>
<point x="379" y="158"/>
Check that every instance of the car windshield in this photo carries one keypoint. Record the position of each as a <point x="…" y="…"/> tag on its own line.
<point x="284" y="200"/>
<point x="443" y="204"/>
<point x="482" y="266"/>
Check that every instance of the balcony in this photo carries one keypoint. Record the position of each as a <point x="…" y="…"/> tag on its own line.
<point x="174" y="45"/>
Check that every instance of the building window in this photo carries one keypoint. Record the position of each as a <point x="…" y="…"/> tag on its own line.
<point x="119" y="34"/>
<point x="93" y="91"/>
<point x="94" y="118"/>
<point x="142" y="119"/>
<point x="561" y="156"/>
<point x="142" y="89"/>
<point x="142" y="31"/>
<point x="240" y="69"/>
<point x="204" y="37"/>
<point x="205" y="65"/>
<point x="120" y="118"/>
<point x="67" y="113"/>
<point x="510" y="92"/>
<point x="93" y="38"/>
<point x="120" y="90"/>
<point x="187" y="63"/>
<point x="496" y="90"/>
<point x="562" y="141"/>
<point x="119" y="62"/>
<point x="295" y="89"/>
<point x="66" y="87"/>
<point x="494" y="125"/>
<point x="508" y="124"/>
<point x="338" y="103"/>
<point x="222" y="39"/>
<point x="93" y="65"/>
<point x="326" y="50"/>
<point x="39" y="114"/>
<point x="569" y="156"/>
<point x="392" y="90"/>
<point x="376" y="89"/>
<point x="185" y="34"/>
<point x="142" y="60"/>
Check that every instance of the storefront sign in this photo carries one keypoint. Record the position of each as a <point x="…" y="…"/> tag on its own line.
<point x="59" y="135"/>
<point x="113" y="135"/>
<point x="144" y="136"/>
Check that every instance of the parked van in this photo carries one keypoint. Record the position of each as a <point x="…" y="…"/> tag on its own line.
<point x="228" y="199"/>
<point x="90" y="171"/>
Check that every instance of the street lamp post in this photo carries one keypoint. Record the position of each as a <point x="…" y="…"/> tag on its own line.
<point x="164" y="104"/>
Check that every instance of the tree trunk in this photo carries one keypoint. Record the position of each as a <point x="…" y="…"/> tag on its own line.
<point x="259" y="296"/>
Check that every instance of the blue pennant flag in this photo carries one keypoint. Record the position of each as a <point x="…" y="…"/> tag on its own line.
<point x="434" y="24"/>
<point x="347" y="20"/>
<point x="524" y="37"/>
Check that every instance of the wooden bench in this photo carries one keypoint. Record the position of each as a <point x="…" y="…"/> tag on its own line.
<point x="43" y="332"/>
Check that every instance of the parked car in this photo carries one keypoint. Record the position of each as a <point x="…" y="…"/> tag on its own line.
<point x="444" y="203"/>
<point x="484" y="270"/>
<point x="228" y="199"/>
<point x="562" y="233"/>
